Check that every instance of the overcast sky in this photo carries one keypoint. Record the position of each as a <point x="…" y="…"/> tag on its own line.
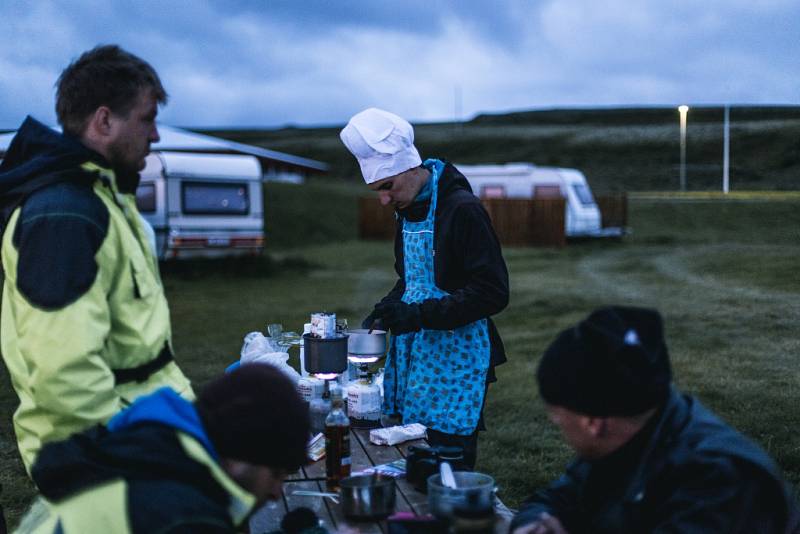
<point x="271" y="62"/>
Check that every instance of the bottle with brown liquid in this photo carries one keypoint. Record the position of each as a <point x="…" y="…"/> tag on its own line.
<point x="337" y="441"/>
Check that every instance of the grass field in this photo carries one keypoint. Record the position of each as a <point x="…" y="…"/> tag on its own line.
<point x="723" y="273"/>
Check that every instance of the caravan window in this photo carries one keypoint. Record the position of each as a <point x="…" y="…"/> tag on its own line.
<point x="200" y="198"/>
<point x="493" y="191"/>
<point x="547" y="191"/>
<point x="146" y="198"/>
<point x="583" y="193"/>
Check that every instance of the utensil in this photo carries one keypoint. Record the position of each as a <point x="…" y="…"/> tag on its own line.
<point x="332" y="496"/>
<point x="446" y="473"/>
<point x="367" y="497"/>
<point x="474" y="492"/>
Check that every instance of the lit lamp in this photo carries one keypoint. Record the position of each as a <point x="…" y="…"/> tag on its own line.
<point x="683" y="110"/>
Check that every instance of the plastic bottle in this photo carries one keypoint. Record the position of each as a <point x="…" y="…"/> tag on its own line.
<point x="337" y="442"/>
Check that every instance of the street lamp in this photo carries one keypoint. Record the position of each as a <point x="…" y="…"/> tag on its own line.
<point x="726" y="150"/>
<point x="684" y="110"/>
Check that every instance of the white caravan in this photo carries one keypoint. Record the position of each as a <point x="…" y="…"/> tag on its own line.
<point x="202" y="205"/>
<point x="526" y="180"/>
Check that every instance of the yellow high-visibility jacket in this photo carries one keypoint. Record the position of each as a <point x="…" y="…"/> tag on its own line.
<point x="85" y="327"/>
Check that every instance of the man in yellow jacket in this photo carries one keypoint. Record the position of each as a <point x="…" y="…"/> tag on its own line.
<point x="85" y="324"/>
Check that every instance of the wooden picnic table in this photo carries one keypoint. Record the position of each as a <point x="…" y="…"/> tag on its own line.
<point x="364" y="455"/>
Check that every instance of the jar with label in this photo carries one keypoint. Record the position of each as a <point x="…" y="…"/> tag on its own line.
<point x="310" y="388"/>
<point x="337" y="442"/>
<point x="364" y="404"/>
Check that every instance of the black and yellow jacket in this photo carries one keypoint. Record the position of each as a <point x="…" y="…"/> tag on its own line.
<point x="85" y="326"/>
<point x="151" y="470"/>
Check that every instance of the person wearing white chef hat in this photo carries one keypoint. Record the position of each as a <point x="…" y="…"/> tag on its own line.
<point x="452" y="278"/>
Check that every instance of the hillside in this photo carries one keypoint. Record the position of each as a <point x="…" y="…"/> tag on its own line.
<point x="619" y="149"/>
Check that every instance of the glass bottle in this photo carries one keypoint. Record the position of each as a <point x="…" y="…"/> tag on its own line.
<point x="319" y="408"/>
<point x="337" y="442"/>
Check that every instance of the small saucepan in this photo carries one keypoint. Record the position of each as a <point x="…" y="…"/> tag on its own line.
<point x="367" y="497"/>
<point x="366" y="342"/>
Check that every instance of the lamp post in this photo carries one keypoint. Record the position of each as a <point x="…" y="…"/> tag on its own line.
<point x="684" y="110"/>
<point x="726" y="150"/>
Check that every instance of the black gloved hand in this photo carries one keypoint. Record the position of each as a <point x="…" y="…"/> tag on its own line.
<point x="399" y="317"/>
<point x="373" y="320"/>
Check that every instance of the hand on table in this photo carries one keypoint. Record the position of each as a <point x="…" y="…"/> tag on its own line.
<point x="545" y="524"/>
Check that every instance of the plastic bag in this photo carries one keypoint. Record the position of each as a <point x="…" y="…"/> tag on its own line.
<point x="260" y="349"/>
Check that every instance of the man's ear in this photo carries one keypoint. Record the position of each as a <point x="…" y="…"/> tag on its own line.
<point x="99" y="124"/>
<point x="597" y="427"/>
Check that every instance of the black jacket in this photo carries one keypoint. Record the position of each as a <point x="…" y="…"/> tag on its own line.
<point x="686" y="471"/>
<point x="468" y="262"/>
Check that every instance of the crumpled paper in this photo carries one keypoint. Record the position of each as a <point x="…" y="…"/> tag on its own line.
<point x="396" y="434"/>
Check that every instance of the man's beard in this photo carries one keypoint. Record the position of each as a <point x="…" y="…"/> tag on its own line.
<point x="127" y="173"/>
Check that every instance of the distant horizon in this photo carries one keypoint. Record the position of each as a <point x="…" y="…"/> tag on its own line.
<point x="610" y="107"/>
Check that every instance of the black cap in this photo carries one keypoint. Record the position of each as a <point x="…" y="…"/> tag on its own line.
<point x="255" y="414"/>
<point x="614" y="362"/>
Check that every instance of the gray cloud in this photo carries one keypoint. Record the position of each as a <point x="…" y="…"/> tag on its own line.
<point x="247" y="63"/>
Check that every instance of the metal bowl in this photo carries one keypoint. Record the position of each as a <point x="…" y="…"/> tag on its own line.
<point x="367" y="497"/>
<point x="474" y="492"/>
<point x="364" y="342"/>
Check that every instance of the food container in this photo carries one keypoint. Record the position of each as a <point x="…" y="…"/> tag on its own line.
<point x="362" y="342"/>
<point x="367" y="497"/>
<point x="474" y="493"/>
<point x="327" y="356"/>
<point x="323" y="324"/>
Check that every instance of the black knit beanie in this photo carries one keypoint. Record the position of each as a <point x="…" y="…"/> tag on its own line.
<point x="254" y="414"/>
<point x="613" y="363"/>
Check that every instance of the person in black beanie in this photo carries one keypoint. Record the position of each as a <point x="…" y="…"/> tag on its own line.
<point x="649" y="459"/>
<point x="167" y="465"/>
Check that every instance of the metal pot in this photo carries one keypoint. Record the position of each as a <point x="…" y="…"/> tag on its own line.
<point x="325" y="355"/>
<point x="367" y="497"/>
<point x="363" y="342"/>
<point x="474" y="492"/>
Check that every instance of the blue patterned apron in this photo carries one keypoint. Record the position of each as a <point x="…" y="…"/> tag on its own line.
<point x="434" y="377"/>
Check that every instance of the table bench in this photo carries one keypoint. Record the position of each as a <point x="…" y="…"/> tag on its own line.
<point x="364" y="455"/>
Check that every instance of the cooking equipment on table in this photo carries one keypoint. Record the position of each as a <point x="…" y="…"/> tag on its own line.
<point x="422" y="462"/>
<point x="306" y="493"/>
<point x="325" y="355"/>
<point x="367" y="497"/>
<point x="473" y="495"/>
<point x="365" y="347"/>
<point x="367" y="343"/>
<point x="446" y="473"/>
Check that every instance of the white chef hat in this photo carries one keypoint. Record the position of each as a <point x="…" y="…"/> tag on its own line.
<point x="382" y="142"/>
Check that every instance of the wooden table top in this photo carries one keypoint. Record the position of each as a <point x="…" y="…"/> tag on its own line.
<point x="364" y="455"/>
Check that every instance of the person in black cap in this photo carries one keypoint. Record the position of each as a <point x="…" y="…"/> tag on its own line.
<point x="649" y="458"/>
<point x="168" y="465"/>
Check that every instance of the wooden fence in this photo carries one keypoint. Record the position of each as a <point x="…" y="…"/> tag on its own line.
<point x="517" y="222"/>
